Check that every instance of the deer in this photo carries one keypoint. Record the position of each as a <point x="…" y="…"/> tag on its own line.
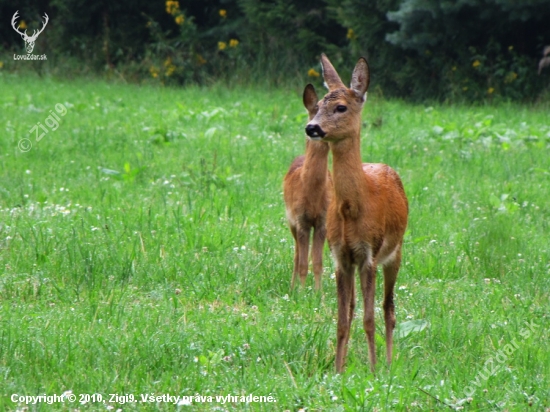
<point x="367" y="214"/>
<point x="29" y="40"/>
<point x="306" y="189"/>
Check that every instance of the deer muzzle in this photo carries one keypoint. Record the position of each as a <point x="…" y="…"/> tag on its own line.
<point x="315" y="132"/>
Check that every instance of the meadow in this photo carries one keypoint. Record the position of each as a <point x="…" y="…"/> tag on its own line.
<point x="144" y="251"/>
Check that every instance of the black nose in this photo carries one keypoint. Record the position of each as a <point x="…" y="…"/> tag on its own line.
<point x="313" y="130"/>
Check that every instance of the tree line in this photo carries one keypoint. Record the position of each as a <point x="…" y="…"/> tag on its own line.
<point x="417" y="49"/>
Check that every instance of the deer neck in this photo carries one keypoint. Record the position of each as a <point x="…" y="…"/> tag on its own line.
<point x="315" y="165"/>
<point x="348" y="176"/>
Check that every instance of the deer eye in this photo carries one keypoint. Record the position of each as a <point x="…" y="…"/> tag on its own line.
<point x="341" y="109"/>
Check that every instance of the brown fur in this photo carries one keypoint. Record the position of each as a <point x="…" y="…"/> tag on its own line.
<point x="367" y="215"/>
<point x="307" y="187"/>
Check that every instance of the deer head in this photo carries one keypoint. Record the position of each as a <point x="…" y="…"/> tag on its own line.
<point x="339" y="112"/>
<point x="29" y="40"/>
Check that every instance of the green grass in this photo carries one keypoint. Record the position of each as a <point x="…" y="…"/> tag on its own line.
<point x="144" y="250"/>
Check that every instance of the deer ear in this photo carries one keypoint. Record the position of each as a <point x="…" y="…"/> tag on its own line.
<point x="332" y="80"/>
<point x="360" y="78"/>
<point x="310" y="99"/>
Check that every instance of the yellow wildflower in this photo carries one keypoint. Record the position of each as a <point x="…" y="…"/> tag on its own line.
<point x="154" y="71"/>
<point x="233" y="43"/>
<point x="222" y="45"/>
<point x="223" y="13"/>
<point x="490" y="90"/>
<point x="1" y="64"/>
<point x="351" y="34"/>
<point x="510" y="77"/>
<point x="180" y="19"/>
<point x="172" y="7"/>
<point x="23" y="25"/>
<point x="313" y="73"/>
<point x="170" y="70"/>
<point x="200" y="60"/>
<point x="168" y="62"/>
<point x="476" y="63"/>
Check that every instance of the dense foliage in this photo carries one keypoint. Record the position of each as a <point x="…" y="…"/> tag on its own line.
<point x="461" y="50"/>
<point x="475" y="47"/>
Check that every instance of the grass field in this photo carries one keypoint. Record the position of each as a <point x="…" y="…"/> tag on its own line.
<point x="144" y="252"/>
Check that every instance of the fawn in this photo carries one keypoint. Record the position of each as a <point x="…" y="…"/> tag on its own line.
<point x="307" y="187"/>
<point x="367" y="215"/>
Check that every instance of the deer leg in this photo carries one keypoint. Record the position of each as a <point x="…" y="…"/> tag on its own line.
<point x="302" y="243"/>
<point x="296" y="255"/>
<point x="390" y="276"/>
<point x="351" y="311"/>
<point x="319" y="235"/>
<point x="367" y="275"/>
<point x="345" y="291"/>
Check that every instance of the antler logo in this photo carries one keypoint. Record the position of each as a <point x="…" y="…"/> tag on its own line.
<point x="29" y="40"/>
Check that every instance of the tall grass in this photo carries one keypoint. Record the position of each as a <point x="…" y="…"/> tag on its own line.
<point x="144" y="250"/>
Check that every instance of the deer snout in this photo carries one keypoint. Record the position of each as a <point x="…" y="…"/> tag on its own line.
<point x="315" y="131"/>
